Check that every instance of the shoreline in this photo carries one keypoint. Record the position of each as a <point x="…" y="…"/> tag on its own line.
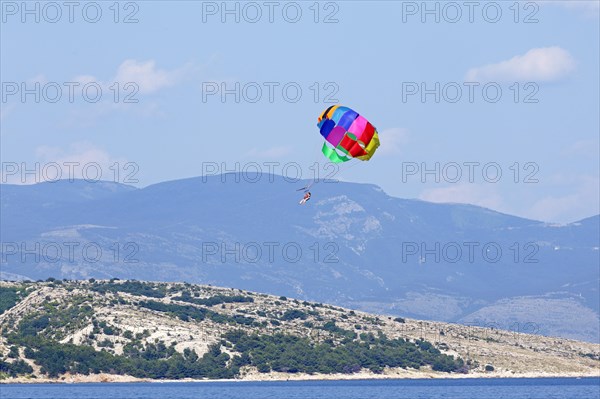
<point x="119" y="379"/>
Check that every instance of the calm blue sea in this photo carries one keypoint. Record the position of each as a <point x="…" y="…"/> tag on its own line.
<point x="534" y="388"/>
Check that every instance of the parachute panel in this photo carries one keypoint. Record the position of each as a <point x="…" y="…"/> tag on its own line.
<point x="348" y="135"/>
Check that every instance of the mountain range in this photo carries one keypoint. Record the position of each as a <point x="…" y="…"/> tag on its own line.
<point x="351" y="245"/>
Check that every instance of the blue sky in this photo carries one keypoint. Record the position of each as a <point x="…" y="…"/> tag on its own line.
<point x="545" y="123"/>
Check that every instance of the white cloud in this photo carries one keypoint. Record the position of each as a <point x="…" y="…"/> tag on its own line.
<point x="147" y="76"/>
<point x="582" y="201"/>
<point x="5" y="110"/>
<point x="144" y="74"/>
<point x="583" y="148"/>
<point x="538" y="64"/>
<point x="464" y="194"/>
<point x="392" y="141"/>
<point x="83" y="152"/>
<point x="80" y="160"/>
<point x="566" y="198"/>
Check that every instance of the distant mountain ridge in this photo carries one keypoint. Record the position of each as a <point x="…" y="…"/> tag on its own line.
<point x="351" y="245"/>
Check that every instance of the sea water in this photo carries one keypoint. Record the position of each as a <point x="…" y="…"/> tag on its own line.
<point x="510" y="388"/>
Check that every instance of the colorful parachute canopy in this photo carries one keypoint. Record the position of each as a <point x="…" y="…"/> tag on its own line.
<point x="348" y="135"/>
